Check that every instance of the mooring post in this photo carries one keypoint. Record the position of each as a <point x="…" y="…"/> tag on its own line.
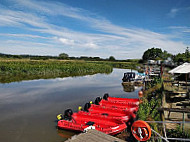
<point x="183" y="123"/>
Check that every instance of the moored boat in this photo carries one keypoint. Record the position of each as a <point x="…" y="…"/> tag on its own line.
<point x="120" y="100"/>
<point x="84" y="121"/>
<point x="120" y="106"/>
<point x="126" y="116"/>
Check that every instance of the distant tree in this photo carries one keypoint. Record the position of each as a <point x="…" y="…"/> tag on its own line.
<point x="152" y="54"/>
<point x="96" y="58"/>
<point x="187" y="53"/>
<point x="140" y="61"/>
<point x="165" y="55"/>
<point x="180" y="57"/>
<point x="111" y="58"/>
<point x="63" y="56"/>
<point x="17" y="56"/>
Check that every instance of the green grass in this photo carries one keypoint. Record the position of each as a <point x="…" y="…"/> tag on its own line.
<point x="12" y="70"/>
<point x="18" y="70"/>
<point x="115" y="64"/>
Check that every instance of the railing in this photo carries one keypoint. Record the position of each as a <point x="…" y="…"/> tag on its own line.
<point x="156" y="136"/>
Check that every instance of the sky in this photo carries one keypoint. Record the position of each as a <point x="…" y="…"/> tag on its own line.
<point x="97" y="28"/>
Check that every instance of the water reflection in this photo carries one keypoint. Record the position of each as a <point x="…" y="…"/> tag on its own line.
<point x="29" y="108"/>
<point x="128" y="88"/>
<point x="66" y="133"/>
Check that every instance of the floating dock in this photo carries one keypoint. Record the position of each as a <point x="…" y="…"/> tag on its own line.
<point x="93" y="136"/>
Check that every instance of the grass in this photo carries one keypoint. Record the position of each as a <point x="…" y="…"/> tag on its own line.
<point x="17" y="70"/>
<point x="116" y="64"/>
<point x="12" y="70"/>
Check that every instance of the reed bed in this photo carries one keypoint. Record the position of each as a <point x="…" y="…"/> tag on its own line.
<point x="17" y="70"/>
<point x="116" y="64"/>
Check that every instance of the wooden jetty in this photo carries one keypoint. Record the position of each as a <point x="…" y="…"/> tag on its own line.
<point x="93" y="136"/>
<point x="180" y="110"/>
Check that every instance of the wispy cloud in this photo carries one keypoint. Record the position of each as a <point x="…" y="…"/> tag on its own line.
<point x="24" y="36"/>
<point x="27" y="47"/>
<point x="67" y="41"/>
<point x="173" y="12"/>
<point x="181" y="28"/>
<point x="105" y="39"/>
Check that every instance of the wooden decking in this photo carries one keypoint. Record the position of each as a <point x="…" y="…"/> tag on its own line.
<point x="93" y="136"/>
<point x="181" y="110"/>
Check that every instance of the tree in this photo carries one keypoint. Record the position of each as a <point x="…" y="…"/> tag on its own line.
<point x="165" y="55"/>
<point x="187" y="54"/>
<point x="152" y="54"/>
<point x="182" y="57"/>
<point x="111" y="58"/>
<point x="63" y="56"/>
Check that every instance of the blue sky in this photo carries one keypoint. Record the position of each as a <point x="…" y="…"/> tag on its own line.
<point x="120" y="28"/>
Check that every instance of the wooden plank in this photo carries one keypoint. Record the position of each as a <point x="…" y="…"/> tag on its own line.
<point x="181" y="110"/>
<point x="94" y="136"/>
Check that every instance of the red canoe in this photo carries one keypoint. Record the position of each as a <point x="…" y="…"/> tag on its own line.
<point x="126" y="116"/>
<point x="120" y="106"/>
<point x="120" y="100"/>
<point x="84" y="121"/>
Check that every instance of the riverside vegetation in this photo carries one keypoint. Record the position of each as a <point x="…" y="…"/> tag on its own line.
<point x="148" y="110"/>
<point x="12" y="70"/>
<point x="17" y="70"/>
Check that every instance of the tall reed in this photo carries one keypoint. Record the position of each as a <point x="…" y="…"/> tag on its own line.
<point x="17" y="70"/>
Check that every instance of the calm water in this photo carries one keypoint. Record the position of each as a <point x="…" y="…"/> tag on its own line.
<point x="28" y="109"/>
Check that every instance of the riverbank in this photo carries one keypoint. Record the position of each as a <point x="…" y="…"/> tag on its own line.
<point x="12" y="70"/>
<point x="18" y="70"/>
<point x="158" y="95"/>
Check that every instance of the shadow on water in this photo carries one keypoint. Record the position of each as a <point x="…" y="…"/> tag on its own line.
<point x="29" y="108"/>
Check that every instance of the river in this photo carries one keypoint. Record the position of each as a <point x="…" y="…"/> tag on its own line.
<point x="28" y="109"/>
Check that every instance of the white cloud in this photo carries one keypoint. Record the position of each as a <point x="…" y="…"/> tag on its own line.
<point x="67" y="41"/>
<point x="121" y="42"/>
<point x="24" y="36"/>
<point x="91" y="45"/>
<point x="27" y="47"/>
<point x="173" y="12"/>
<point x="181" y="29"/>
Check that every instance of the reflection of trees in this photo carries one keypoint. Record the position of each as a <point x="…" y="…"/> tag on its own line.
<point x="128" y="87"/>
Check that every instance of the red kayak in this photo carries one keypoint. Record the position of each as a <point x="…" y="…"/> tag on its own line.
<point x="120" y="100"/>
<point x="120" y="106"/>
<point x="93" y="109"/>
<point x="84" y="121"/>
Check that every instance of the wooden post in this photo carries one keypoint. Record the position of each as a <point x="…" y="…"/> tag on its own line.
<point x="186" y="81"/>
<point x="183" y="122"/>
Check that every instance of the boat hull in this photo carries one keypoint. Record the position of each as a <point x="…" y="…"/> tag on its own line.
<point x="80" y="121"/>
<point x="120" y="105"/>
<point x="125" y="116"/>
<point x="123" y="100"/>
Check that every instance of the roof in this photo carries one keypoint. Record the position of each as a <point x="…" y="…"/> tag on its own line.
<point x="184" y="69"/>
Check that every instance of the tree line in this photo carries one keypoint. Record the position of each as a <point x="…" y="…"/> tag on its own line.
<point x="63" y="56"/>
<point x="158" y="54"/>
